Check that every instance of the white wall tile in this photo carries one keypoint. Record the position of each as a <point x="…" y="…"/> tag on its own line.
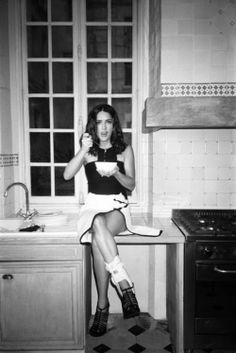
<point x="224" y="173"/>
<point x="225" y="147"/>
<point x="223" y="200"/>
<point x="198" y="147"/>
<point x="198" y="173"/>
<point x="210" y="199"/>
<point x="211" y="147"/>
<point x="211" y="173"/>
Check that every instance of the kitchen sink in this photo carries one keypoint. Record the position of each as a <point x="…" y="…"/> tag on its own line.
<point x="10" y="224"/>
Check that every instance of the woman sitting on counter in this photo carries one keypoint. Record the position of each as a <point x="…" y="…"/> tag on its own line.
<point x="106" y="210"/>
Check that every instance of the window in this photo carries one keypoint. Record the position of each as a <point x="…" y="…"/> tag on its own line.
<point x="78" y="54"/>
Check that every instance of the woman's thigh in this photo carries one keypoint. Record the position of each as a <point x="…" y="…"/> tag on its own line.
<point x="115" y="222"/>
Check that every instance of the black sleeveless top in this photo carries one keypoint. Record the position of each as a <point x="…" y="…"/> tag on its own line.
<point x="104" y="185"/>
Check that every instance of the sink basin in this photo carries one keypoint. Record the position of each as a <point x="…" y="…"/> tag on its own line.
<point x="10" y="224"/>
<point x="50" y="218"/>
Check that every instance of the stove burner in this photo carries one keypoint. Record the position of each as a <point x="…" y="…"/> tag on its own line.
<point x="213" y="223"/>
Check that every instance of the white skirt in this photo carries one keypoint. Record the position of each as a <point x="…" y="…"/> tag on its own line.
<point x="97" y="204"/>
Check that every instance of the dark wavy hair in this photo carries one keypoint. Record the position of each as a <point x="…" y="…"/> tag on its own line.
<point x="117" y="137"/>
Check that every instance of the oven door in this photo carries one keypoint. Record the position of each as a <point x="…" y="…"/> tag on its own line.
<point x="215" y="306"/>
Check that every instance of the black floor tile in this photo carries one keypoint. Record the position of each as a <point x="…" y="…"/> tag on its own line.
<point x="136" y="330"/>
<point x="102" y="348"/>
<point x="137" y="348"/>
<point x="169" y="348"/>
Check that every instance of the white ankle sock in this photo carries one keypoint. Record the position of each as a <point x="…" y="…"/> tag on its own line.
<point x="117" y="271"/>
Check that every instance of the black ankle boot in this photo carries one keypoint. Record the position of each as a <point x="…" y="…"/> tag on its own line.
<point x="99" y="326"/>
<point x="129" y="303"/>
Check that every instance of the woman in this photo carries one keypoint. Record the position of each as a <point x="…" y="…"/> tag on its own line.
<point x="105" y="213"/>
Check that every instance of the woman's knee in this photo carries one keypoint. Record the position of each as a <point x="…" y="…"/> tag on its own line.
<point x="99" y="222"/>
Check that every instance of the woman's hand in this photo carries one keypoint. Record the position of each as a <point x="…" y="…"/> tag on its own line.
<point x="87" y="142"/>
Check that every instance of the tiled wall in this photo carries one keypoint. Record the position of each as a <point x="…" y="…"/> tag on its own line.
<point x="196" y="168"/>
<point x="198" y="41"/>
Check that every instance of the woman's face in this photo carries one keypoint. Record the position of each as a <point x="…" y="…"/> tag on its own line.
<point x="104" y="126"/>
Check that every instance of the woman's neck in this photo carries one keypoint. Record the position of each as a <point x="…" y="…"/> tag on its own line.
<point x="105" y="145"/>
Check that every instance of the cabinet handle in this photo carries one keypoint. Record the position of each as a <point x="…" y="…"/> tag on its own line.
<point x="221" y="270"/>
<point x="7" y="276"/>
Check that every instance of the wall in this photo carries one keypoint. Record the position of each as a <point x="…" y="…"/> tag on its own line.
<point x="196" y="168"/>
<point x="6" y="158"/>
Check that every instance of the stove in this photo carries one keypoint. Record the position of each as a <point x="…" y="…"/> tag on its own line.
<point x="209" y="277"/>
<point x="206" y="224"/>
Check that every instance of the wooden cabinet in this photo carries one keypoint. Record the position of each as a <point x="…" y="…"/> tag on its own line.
<point x="45" y="305"/>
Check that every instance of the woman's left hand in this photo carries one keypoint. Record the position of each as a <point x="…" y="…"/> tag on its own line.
<point x="110" y="173"/>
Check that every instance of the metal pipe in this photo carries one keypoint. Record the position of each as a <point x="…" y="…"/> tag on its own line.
<point x="26" y="194"/>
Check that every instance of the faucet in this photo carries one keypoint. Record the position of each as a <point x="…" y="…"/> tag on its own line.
<point x="27" y="214"/>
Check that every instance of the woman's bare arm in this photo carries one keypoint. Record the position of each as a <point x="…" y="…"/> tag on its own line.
<point x="78" y="160"/>
<point x="127" y="180"/>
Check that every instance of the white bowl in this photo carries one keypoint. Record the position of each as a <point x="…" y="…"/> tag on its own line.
<point x="105" y="166"/>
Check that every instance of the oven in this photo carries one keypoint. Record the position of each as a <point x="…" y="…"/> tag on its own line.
<point x="209" y="278"/>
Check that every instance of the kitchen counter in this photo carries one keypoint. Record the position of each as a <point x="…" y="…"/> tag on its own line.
<point x="67" y="233"/>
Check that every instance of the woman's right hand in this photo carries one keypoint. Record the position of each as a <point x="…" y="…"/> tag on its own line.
<point x="87" y="142"/>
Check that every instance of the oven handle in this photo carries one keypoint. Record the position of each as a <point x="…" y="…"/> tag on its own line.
<point x="216" y="269"/>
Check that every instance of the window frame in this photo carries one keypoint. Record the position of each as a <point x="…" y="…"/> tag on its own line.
<point x="140" y="83"/>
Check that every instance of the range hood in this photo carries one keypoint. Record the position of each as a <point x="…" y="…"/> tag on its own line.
<point x="190" y="112"/>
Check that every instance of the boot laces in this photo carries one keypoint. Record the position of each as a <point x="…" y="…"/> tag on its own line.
<point x="129" y="298"/>
<point x="100" y="319"/>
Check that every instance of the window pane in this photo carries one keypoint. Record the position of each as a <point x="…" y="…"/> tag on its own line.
<point x="92" y="102"/>
<point x="62" y="77"/>
<point x="63" y="109"/>
<point x="96" y="10"/>
<point x="39" y="147"/>
<point x="61" y="10"/>
<point x="97" y="42"/>
<point x="63" y="187"/>
<point x="122" y="42"/>
<point x="37" y="41"/>
<point x="38" y="77"/>
<point x="62" y="42"/>
<point x="123" y="106"/>
<point x="36" y="10"/>
<point x="63" y="147"/>
<point x="40" y="181"/>
<point x="121" y="10"/>
<point x="97" y="77"/>
<point x="39" y="112"/>
<point x="121" y="78"/>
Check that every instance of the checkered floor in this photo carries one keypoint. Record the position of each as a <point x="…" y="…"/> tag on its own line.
<point x="136" y="335"/>
<point x="142" y="334"/>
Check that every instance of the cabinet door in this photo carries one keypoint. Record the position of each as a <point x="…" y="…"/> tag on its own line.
<point x="41" y="305"/>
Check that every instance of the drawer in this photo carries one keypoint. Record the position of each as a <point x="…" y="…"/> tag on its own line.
<point x="216" y="251"/>
<point x="41" y="252"/>
<point x="216" y="272"/>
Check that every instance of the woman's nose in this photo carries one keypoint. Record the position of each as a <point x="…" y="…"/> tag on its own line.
<point x="103" y="126"/>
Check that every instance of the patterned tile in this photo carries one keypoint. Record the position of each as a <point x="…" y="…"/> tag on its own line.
<point x="136" y="330"/>
<point x="137" y="348"/>
<point x="169" y="348"/>
<point x="9" y="160"/>
<point x="198" y="89"/>
<point x="102" y="348"/>
<point x="133" y="335"/>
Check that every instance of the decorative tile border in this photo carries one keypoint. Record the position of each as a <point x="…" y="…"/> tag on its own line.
<point x="198" y="89"/>
<point x="9" y="160"/>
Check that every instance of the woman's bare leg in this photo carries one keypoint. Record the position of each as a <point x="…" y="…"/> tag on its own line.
<point x="106" y="258"/>
<point x="105" y="227"/>
<point x="101" y="276"/>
